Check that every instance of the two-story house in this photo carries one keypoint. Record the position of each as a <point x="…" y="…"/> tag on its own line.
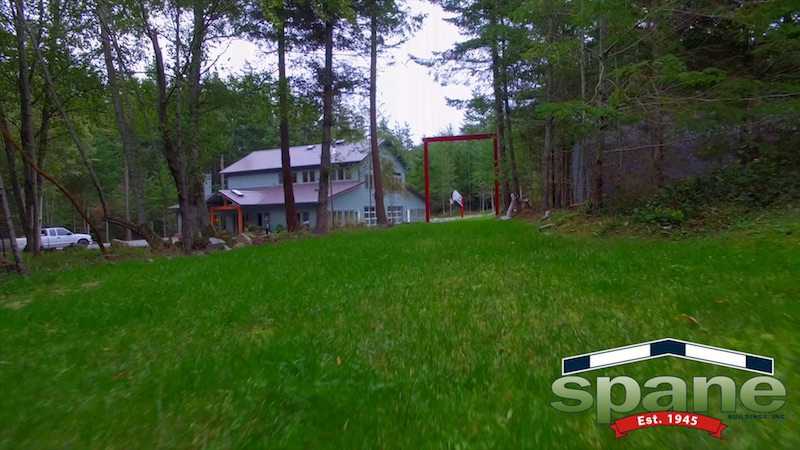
<point x="253" y="189"/>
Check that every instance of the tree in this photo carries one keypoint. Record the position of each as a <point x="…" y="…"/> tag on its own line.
<point x="133" y="179"/>
<point x="380" y="209"/>
<point x="286" y="163"/>
<point x="323" y="223"/>
<point x="180" y="144"/>
<point x="487" y="24"/>
<point x="30" y="206"/>
<point x="386" y="18"/>
<point x="19" y="266"/>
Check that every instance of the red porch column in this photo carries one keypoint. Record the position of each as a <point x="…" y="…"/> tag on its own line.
<point x="426" y="169"/>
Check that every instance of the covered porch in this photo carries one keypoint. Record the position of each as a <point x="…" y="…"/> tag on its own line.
<point x="225" y="213"/>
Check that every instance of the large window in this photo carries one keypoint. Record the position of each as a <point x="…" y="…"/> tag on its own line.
<point x="304" y="217"/>
<point x="395" y="214"/>
<point x="342" y="173"/>
<point x="369" y="215"/>
<point x="309" y="176"/>
<point x="345" y="218"/>
<point x="263" y="220"/>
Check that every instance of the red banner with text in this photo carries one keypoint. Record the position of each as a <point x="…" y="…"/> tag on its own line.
<point x="668" y="419"/>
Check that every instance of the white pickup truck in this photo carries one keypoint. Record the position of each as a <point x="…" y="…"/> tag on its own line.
<point x="59" y="237"/>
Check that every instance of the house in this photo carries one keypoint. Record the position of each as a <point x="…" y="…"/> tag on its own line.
<point x="252" y="193"/>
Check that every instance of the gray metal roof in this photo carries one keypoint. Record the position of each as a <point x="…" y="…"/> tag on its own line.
<point x="301" y="156"/>
<point x="273" y="195"/>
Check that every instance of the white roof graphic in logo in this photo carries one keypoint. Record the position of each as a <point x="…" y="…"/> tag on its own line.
<point x="667" y="347"/>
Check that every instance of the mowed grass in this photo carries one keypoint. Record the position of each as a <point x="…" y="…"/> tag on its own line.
<point x="422" y="336"/>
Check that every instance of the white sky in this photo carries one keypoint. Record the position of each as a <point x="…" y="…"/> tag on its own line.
<point x="407" y="92"/>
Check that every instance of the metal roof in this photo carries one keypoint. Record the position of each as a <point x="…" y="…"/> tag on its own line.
<point x="273" y="195"/>
<point x="301" y="156"/>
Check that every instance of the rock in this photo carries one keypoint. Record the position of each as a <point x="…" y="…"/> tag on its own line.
<point x="141" y="243"/>
<point x="244" y="239"/>
<point x="216" y="244"/>
<point x="546" y="226"/>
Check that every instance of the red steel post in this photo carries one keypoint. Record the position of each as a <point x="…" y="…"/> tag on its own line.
<point x="426" y="169"/>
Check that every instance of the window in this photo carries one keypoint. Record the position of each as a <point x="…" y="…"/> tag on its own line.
<point x="342" y="173"/>
<point x="369" y="215"/>
<point x="344" y="218"/>
<point x="395" y="214"/>
<point x="304" y="218"/>
<point x="262" y="219"/>
<point x="309" y="176"/>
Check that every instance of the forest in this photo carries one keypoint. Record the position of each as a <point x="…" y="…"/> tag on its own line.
<point x="112" y="113"/>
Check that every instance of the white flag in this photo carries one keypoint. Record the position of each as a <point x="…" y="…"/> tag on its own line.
<point x="456" y="198"/>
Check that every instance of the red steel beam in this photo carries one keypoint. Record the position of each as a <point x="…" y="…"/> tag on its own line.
<point x="463" y="137"/>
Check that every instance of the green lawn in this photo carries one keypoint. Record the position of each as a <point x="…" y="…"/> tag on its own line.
<point x="421" y="336"/>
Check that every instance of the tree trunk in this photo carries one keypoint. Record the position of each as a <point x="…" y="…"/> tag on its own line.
<point x="196" y="213"/>
<point x="377" y="175"/>
<point x="508" y="131"/>
<point x="130" y="143"/>
<point x="547" y="150"/>
<point x="509" y="138"/>
<point x="283" y="110"/>
<point x="16" y="190"/>
<point x="170" y="147"/>
<point x="658" y="151"/>
<point x="499" y="117"/>
<point x="597" y="172"/>
<point x="32" y="210"/>
<point x="327" y="125"/>
<point x="43" y="143"/>
<point x="19" y="266"/>
<point x="597" y="165"/>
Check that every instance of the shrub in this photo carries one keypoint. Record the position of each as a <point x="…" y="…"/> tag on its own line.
<point x="654" y="214"/>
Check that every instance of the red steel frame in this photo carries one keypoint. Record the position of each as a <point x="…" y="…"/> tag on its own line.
<point x="463" y="137"/>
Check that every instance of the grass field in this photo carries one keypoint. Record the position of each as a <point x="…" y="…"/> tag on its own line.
<point x="421" y="336"/>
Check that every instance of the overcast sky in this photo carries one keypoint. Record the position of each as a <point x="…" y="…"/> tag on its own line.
<point x="407" y="92"/>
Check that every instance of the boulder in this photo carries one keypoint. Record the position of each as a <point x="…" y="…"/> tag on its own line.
<point x="216" y="244"/>
<point x="141" y="243"/>
<point x="244" y="239"/>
